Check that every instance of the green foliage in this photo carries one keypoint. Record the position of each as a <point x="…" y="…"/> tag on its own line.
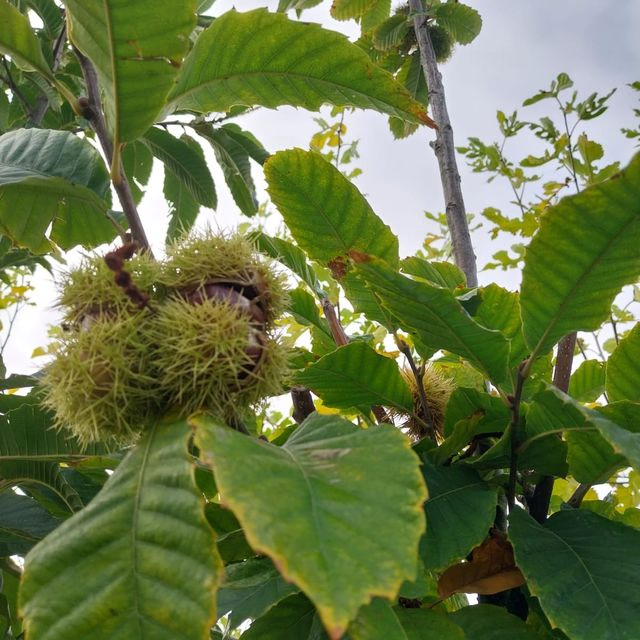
<point x="52" y="177"/>
<point x="300" y="75"/>
<point x="575" y="576"/>
<point x="148" y="511"/>
<point x="441" y="409"/>
<point x="565" y="288"/>
<point x="136" y="59"/>
<point x="312" y="503"/>
<point x="356" y="376"/>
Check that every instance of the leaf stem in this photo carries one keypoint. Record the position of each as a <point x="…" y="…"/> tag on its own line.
<point x="406" y="351"/>
<point x="338" y="333"/>
<point x="444" y="149"/>
<point x="578" y="495"/>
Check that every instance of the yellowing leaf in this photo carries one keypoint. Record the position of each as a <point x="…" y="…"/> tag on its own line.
<point x="492" y="569"/>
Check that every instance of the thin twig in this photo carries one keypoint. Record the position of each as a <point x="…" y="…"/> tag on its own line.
<point x="8" y="80"/>
<point x="515" y="434"/>
<point x="444" y="148"/>
<point x="43" y="101"/>
<point x="564" y="362"/>
<point x="406" y="351"/>
<point x="578" y="495"/>
<point x="614" y="326"/>
<point x="93" y="113"/>
<point x="569" y="145"/>
<point x="341" y="339"/>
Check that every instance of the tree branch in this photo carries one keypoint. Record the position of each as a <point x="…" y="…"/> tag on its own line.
<point x="539" y="502"/>
<point x="303" y="405"/>
<point x="92" y="111"/>
<point x="444" y="148"/>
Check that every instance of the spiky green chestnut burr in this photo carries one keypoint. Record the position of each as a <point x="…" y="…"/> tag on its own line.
<point x="214" y="337"/>
<point x="89" y="291"/>
<point x="437" y="390"/>
<point x="145" y="338"/>
<point x="100" y="384"/>
<point x="210" y="356"/>
<point x="216" y="259"/>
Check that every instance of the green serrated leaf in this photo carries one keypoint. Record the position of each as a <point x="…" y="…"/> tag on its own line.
<point x="435" y="316"/>
<point x="19" y="42"/>
<point x="183" y="208"/>
<point x="456" y="494"/>
<point x="425" y="623"/>
<point x="23" y="522"/>
<point x="27" y="433"/>
<point x="312" y="504"/>
<point x="50" y="14"/>
<point x="378" y="11"/>
<point x="350" y="9"/>
<point x="326" y="214"/>
<point x="136" y="58"/>
<point x="593" y="440"/>
<point x="247" y="141"/>
<point x="294" y="618"/>
<point x="623" y="369"/>
<point x="391" y="32"/>
<point x="234" y="162"/>
<point x="585" y="250"/>
<point x="52" y="177"/>
<point x="572" y="565"/>
<point x="291" y="256"/>
<point x="186" y="162"/>
<point x="461" y="21"/>
<point x="303" y="307"/>
<point x="138" y="162"/>
<point x="239" y="60"/>
<point x="377" y="620"/>
<point x="138" y="561"/>
<point x="443" y="274"/>
<point x="354" y="376"/>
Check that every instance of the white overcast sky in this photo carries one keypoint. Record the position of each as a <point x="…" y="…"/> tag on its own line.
<point x="522" y="47"/>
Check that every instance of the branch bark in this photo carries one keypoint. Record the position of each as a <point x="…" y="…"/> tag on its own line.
<point x="93" y="112"/>
<point x="539" y="503"/>
<point x="444" y="148"/>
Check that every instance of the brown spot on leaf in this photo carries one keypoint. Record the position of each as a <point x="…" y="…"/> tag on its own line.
<point x="359" y="256"/>
<point x="338" y="267"/>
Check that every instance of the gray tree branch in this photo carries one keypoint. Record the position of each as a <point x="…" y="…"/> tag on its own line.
<point x="444" y="148"/>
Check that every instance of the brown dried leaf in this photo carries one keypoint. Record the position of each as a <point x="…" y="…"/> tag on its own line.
<point x="492" y="569"/>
